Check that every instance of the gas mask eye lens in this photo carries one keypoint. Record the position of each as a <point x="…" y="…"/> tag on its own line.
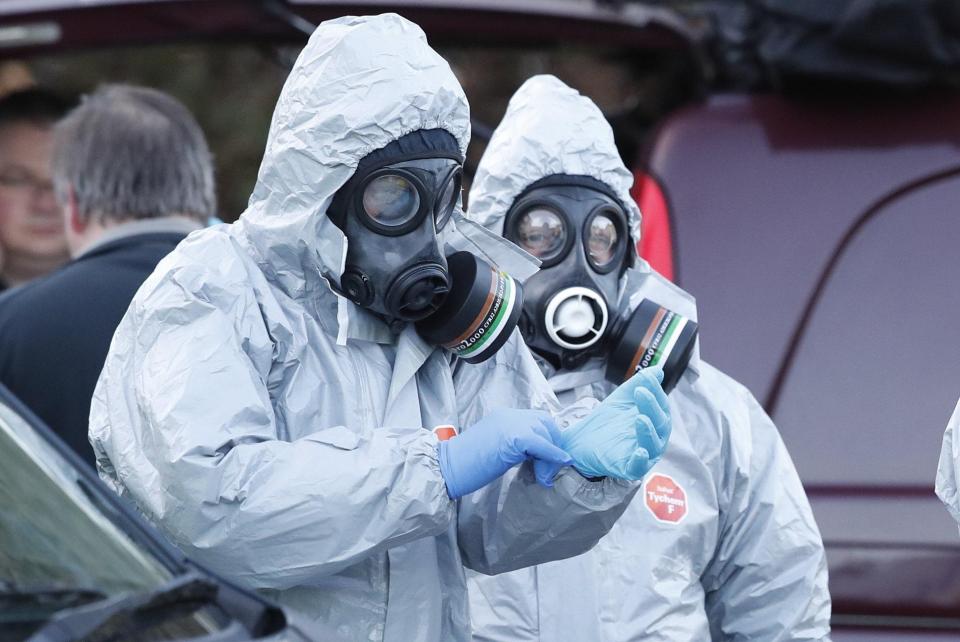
<point x="391" y="200"/>
<point x="602" y="240"/>
<point x="541" y="232"/>
<point x="447" y="200"/>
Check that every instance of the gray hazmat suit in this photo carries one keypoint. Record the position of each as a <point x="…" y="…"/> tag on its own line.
<point x="948" y="470"/>
<point x="722" y="543"/>
<point x="281" y="435"/>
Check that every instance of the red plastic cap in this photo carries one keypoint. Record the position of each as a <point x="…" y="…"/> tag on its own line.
<point x="445" y="432"/>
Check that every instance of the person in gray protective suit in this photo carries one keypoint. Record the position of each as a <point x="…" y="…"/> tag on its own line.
<point x="948" y="468"/>
<point x="721" y="544"/>
<point x="270" y="400"/>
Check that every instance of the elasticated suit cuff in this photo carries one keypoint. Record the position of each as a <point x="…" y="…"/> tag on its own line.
<point x="446" y="470"/>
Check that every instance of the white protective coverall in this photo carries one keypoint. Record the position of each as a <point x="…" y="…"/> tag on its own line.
<point x="739" y="556"/>
<point x="948" y="470"/>
<point x="279" y="434"/>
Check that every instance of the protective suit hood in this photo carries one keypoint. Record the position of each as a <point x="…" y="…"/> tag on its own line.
<point x="548" y="129"/>
<point x="348" y="95"/>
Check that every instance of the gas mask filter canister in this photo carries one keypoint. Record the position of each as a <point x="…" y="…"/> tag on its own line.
<point x="479" y="314"/>
<point x="651" y="336"/>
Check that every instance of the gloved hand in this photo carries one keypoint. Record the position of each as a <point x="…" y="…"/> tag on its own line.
<point x="626" y="434"/>
<point x="495" y="444"/>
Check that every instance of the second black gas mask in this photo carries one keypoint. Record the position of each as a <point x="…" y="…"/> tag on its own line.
<point x="579" y="230"/>
<point x="392" y="211"/>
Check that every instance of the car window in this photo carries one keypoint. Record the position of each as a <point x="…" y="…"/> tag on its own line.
<point x="57" y="549"/>
<point x="761" y="189"/>
<point x="877" y="372"/>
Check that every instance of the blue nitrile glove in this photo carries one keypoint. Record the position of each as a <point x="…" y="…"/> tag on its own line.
<point x="626" y="434"/>
<point x="498" y="442"/>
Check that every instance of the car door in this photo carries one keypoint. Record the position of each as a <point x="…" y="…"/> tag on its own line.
<point x="864" y="401"/>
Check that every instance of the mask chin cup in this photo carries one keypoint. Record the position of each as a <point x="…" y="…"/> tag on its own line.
<point x="417" y="292"/>
<point x="576" y="318"/>
<point x="652" y="336"/>
<point x="480" y="313"/>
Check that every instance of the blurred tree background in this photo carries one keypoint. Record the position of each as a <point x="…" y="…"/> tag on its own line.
<point x="232" y="90"/>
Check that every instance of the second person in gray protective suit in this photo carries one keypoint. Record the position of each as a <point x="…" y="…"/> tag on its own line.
<point x="722" y="543"/>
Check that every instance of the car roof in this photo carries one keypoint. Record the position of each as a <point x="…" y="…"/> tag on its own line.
<point x="30" y="27"/>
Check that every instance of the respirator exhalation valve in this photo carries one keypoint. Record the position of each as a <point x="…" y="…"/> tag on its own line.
<point x="576" y="318"/>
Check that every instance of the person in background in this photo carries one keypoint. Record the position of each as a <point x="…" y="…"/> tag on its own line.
<point x="133" y="176"/>
<point x="31" y="231"/>
<point x="722" y="543"/>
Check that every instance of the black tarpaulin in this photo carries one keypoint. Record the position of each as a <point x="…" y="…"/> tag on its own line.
<point x="897" y="43"/>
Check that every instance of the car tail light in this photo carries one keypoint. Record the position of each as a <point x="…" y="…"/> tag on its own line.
<point x="656" y="239"/>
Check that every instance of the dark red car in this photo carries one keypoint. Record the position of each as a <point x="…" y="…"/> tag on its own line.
<point x="821" y="238"/>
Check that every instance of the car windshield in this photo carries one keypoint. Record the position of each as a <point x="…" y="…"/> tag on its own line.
<point x="58" y="549"/>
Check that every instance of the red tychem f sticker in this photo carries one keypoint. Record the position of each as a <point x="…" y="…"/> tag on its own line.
<point x="665" y="498"/>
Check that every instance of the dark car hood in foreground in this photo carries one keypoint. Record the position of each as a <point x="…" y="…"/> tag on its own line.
<point x="248" y="616"/>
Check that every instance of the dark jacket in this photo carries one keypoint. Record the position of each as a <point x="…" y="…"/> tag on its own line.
<point x="55" y="331"/>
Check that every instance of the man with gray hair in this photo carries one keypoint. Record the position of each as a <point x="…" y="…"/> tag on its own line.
<point x="133" y="176"/>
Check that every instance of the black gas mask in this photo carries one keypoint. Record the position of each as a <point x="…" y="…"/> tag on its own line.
<point x="392" y="211"/>
<point x="578" y="228"/>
